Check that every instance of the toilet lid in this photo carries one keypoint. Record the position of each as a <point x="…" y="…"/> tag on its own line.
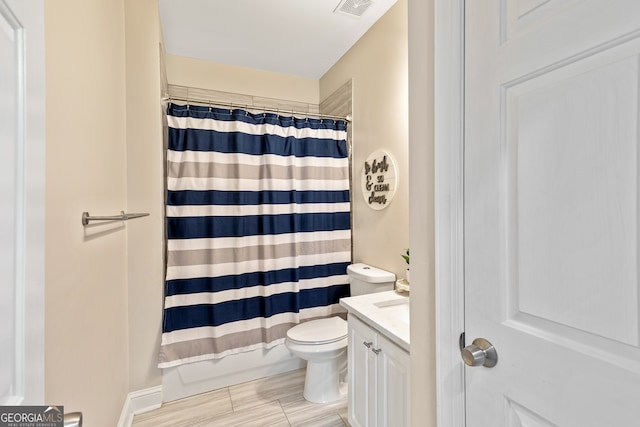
<point x="319" y="331"/>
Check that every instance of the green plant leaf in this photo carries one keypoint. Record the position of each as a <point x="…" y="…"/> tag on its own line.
<point x="406" y="257"/>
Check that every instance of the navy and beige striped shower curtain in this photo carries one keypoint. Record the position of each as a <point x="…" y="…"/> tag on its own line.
<point x="258" y="229"/>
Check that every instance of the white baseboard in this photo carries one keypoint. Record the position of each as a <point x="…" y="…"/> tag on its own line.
<point x="138" y="402"/>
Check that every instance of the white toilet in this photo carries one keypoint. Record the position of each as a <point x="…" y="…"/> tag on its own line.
<point x="323" y="342"/>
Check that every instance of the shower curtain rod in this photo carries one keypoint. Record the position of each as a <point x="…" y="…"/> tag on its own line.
<point x="229" y="105"/>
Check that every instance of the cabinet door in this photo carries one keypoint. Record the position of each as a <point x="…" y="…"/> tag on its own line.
<point x="362" y="374"/>
<point x="393" y="384"/>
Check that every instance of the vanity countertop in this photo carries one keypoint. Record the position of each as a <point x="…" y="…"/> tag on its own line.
<point x="388" y="312"/>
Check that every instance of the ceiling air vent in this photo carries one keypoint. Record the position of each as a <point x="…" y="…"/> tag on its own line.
<point x="353" y="7"/>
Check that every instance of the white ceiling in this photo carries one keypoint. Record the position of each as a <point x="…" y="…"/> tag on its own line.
<point x="296" y="37"/>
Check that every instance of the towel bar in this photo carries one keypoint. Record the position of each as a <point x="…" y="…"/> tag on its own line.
<point x="73" y="419"/>
<point x="122" y="217"/>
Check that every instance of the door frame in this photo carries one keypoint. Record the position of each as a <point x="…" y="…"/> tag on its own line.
<point x="29" y="375"/>
<point x="449" y="210"/>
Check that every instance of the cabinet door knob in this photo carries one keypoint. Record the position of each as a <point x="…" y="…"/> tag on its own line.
<point x="368" y="344"/>
<point x="376" y="350"/>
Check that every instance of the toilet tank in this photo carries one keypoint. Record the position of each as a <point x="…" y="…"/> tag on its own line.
<point x="365" y="279"/>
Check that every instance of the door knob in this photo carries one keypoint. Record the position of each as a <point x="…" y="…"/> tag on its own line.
<point x="480" y="352"/>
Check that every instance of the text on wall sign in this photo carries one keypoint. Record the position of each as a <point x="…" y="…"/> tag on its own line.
<point x="378" y="180"/>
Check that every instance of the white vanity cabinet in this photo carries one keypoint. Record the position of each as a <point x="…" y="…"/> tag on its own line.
<point x="378" y="378"/>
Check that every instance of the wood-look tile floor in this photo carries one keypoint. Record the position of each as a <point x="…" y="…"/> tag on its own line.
<point x="274" y="401"/>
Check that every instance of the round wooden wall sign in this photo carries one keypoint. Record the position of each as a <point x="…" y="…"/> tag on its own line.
<point x="378" y="180"/>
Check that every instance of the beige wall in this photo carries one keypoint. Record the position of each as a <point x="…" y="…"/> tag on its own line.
<point x="421" y="206"/>
<point x="145" y="192"/>
<point x="201" y="74"/>
<point x="86" y="354"/>
<point x="378" y="65"/>
<point x="104" y="154"/>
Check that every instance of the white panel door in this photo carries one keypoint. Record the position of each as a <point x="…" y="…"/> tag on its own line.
<point x="552" y="211"/>
<point x="22" y="202"/>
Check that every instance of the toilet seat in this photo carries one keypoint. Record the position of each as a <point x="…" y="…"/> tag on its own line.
<point x="319" y="331"/>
